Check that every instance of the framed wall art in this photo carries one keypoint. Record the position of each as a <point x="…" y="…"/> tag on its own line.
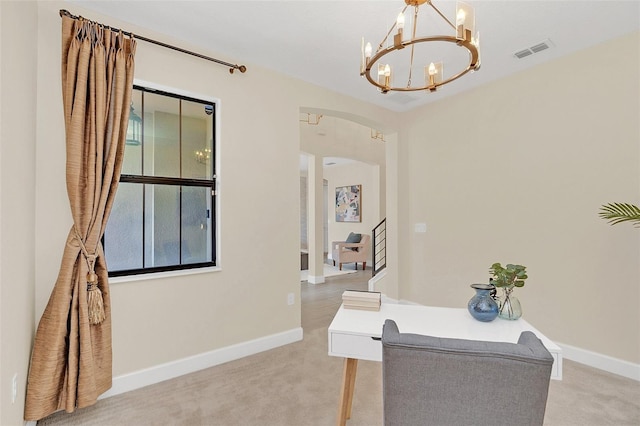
<point x="348" y="208"/>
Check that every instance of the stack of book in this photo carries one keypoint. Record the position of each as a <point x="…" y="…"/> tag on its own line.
<point x="366" y="300"/>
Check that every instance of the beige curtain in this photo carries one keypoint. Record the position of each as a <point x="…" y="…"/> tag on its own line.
<point x="71" y="358"/>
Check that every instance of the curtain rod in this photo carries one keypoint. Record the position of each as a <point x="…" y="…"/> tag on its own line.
<point x="232" y="67"/>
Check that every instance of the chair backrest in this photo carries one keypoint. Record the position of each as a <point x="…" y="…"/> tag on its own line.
<point x="366" y="240"/>
<point x="438" y="381"/>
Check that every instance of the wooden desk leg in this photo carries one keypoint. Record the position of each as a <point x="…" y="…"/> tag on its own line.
<point x="346" y="393"/>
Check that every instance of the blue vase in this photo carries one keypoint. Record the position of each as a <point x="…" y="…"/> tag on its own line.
<point x="482" y="306"/>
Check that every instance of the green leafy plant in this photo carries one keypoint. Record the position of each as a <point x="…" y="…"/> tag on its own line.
<point x="620" y="212"/>
<point x="509" y="276"/>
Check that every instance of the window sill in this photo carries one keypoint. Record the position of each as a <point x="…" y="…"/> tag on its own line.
<point x="166" y="274"/>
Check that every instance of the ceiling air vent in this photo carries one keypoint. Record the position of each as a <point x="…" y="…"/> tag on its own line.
<point x="533" y="49"/>
<point x="523" y="53"/>
<point x="539" y="47"/>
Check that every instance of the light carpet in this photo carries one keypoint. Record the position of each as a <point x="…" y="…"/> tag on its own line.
<point x="329" y="271"/>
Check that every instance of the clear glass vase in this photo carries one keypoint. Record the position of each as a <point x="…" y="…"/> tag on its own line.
<point x="509" y="305"/>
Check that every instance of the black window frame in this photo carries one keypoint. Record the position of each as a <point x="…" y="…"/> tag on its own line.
<point x="180" y="182"/>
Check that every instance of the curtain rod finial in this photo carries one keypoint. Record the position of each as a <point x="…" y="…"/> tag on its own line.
<point x="241" y="68"/>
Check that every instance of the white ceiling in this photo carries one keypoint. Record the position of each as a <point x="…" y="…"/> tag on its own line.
<point x="326" y="161"/>
<point x="320" y="41"/>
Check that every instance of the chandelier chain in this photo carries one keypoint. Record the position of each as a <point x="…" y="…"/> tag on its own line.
<point x="413" y="36"/>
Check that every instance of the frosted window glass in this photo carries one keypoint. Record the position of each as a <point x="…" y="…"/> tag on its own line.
<point x="196" y="224"/>
<point x="165" y="230"/>
<point x="123" y="236"/>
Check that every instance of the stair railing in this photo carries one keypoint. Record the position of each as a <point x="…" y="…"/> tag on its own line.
<point x="379" y="246"/>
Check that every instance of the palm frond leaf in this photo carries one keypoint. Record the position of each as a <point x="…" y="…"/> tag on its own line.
<point x="620" y="212"/>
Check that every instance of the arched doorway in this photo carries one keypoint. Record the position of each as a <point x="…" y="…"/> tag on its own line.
<point x="341" y="149"/>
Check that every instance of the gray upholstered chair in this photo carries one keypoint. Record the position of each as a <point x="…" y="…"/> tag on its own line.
<point x="436" y="381"/>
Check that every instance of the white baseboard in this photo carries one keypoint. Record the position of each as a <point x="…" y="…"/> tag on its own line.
<point x="601" y="362"/>
<point x="315" y="279"/>
<point x="170" y="370"/>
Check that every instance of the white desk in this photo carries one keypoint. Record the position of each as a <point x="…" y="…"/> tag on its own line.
<point x="355" y="334"/>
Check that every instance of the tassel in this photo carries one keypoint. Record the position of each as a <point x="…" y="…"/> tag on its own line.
<point x="94" y="300"/>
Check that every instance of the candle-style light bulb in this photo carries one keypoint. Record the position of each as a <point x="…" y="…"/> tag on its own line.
<point x="460" y="17"/>
<point x="433" y="75"/>
<point x="384" y="72"/>
<point x="367" y="51"/>
<point x="465" y="21"/>
<point x="397" y="38"/>
<point x="387" y="77"/>
<point x="400" y="21"/>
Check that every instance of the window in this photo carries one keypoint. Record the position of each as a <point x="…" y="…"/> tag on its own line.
<point x="163" y="216"/>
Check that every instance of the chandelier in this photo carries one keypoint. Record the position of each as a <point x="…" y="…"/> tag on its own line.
<point x="381" y="74"/>
<point x="202" y="155"/>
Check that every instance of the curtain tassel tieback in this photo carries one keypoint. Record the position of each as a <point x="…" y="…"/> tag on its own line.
<point x="94" y="300"/>
<point x="95" y="304"/>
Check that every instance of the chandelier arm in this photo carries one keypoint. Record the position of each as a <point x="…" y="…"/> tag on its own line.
<point x="442" y="16"/>
<point x="384" y="40"/>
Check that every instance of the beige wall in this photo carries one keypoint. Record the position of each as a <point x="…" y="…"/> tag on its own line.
<point x="515" y="172"/>
<point x="17" y="201"/>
